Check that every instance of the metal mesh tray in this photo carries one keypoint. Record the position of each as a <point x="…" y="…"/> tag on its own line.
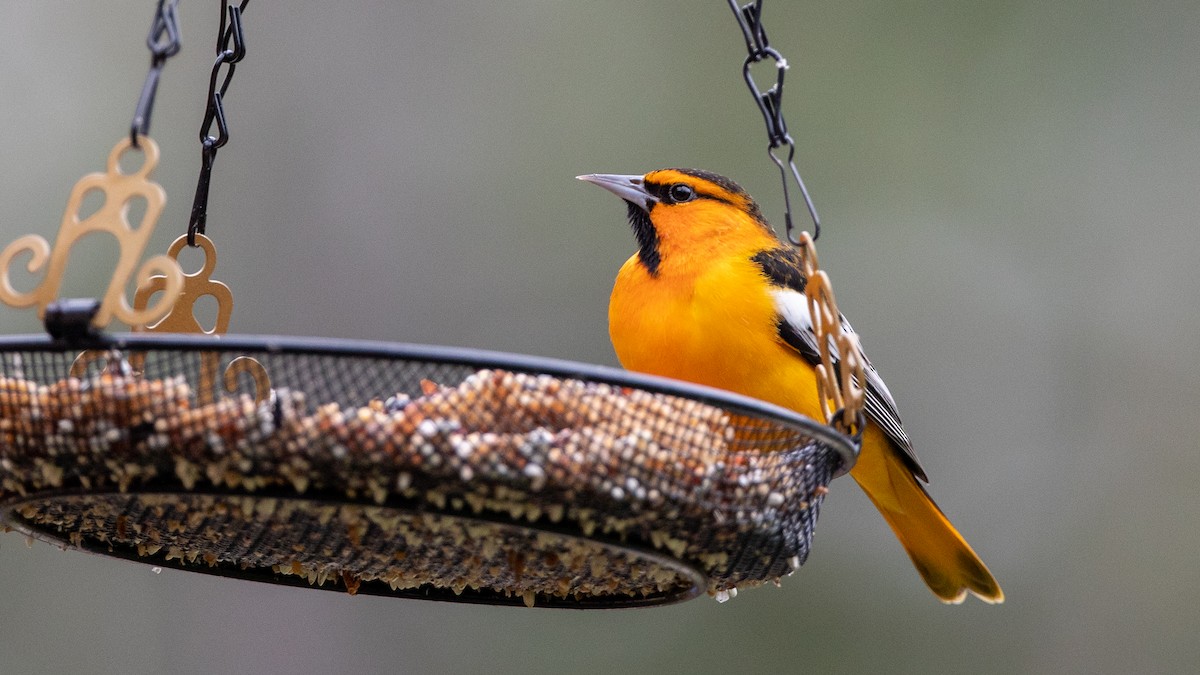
<point x="405" y="470"/>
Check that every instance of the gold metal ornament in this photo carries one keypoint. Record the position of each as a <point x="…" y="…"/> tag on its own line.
<point x="256" y="371"/>
<point x="838" y="385"/>
<point x="181" y="317"/>
<point x="119" y="189"/>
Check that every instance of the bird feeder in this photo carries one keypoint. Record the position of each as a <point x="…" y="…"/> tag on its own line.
<point x="375" y="468"/>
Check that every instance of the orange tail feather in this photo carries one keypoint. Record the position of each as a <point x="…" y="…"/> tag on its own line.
<point x="943" y="558"/>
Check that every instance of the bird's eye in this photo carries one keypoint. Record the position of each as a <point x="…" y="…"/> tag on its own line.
<point x="680" y="192"/>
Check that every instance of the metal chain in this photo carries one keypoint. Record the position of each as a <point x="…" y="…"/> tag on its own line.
<point x="231" y="48"/>
<point x="759" y="48"/>
<point x="840" y="372"/>
<point x="163" y="42"/>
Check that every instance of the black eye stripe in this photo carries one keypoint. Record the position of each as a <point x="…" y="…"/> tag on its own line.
<point x="662" y="192"/>
<point x="728" y="192"/>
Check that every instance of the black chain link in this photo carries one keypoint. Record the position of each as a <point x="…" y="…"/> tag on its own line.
<point x="769" y="102"/>
<point x="231" y="48"/>
<point x="163" y="42"/>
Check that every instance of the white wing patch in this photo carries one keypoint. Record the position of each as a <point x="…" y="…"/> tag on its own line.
<point x="793" y="307"/>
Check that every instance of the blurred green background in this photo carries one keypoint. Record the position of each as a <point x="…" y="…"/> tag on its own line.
<point x="1010" y="194"/>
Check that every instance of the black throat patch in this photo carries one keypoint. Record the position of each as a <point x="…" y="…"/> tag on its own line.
<point x="647" y="237"/>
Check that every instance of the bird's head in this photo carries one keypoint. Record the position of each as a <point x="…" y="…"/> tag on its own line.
<point x="678" y="210"/>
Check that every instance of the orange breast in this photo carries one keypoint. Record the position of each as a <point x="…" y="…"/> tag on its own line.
<point x="713" y="325"/>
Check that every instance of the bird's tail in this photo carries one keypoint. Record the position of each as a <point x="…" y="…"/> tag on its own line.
<point x="944" y="559"/>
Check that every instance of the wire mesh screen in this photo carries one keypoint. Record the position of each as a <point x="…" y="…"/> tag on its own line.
<point x="406" y="471"/>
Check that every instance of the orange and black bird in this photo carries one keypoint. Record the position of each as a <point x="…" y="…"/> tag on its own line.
<point x="712" y="296"/>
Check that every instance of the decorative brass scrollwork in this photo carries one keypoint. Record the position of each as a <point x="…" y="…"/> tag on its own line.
<point x="119" y="190"/>
<point x="181" y="318"/>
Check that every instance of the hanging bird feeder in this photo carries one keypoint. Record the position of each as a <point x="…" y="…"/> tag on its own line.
<point x="377" y="468"/>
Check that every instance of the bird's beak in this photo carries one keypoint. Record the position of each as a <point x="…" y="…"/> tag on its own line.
<point x="630" y="188"/>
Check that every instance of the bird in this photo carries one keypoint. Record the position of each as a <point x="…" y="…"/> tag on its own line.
<point x="712" y="296"/>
